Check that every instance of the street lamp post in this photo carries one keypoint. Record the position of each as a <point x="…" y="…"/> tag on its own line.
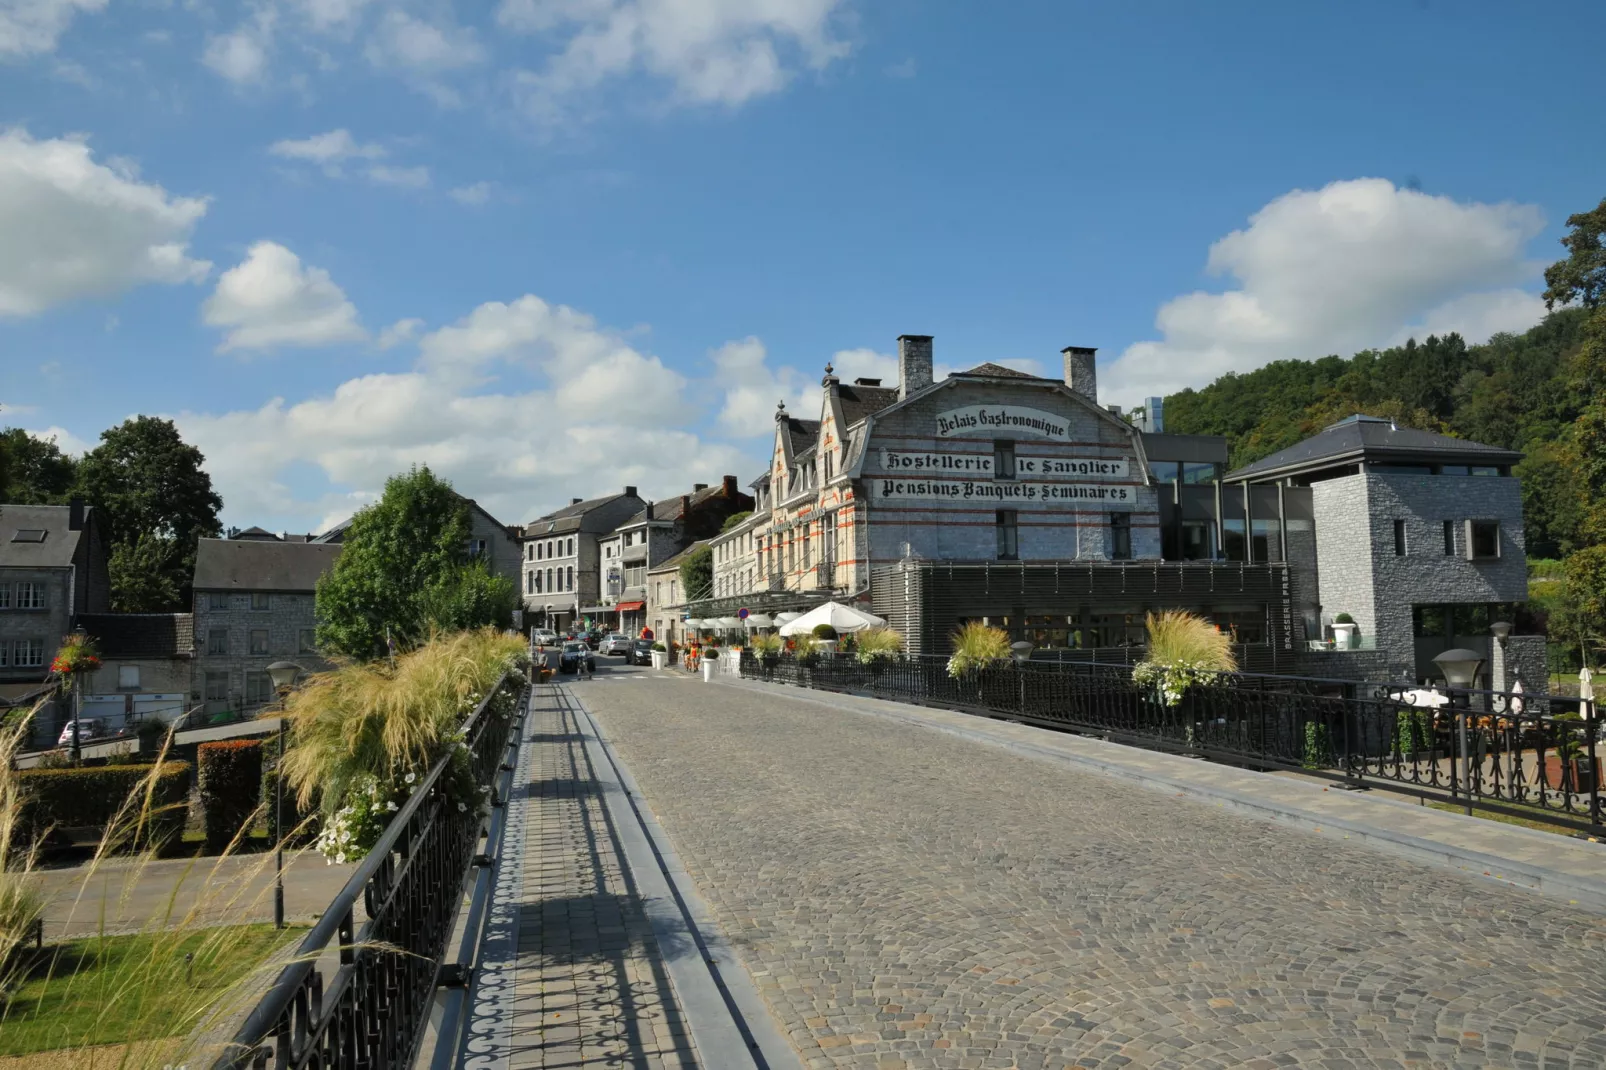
<point x="283" y="674"/>
<point x="1022" y="653"/>
<point x="1460" y="668"/>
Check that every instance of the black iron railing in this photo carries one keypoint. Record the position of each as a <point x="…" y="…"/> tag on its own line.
<point x="372" y="1011"/>
<point x="1526" y="755"/>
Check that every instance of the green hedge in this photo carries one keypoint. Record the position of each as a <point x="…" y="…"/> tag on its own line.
<point x="231" y="787"/>
<point x="90" y="797"/>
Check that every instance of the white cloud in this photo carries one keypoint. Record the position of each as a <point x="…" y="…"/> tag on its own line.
<point x="72" y="228"/>
<point x="327" y="15"/>
<point x="64" y="439"/>
<point x="30" y="27"/>
<point x="708" y="51"/>
<point x="569" y="391"/>
<point x="421" y="47"/>
<point x="751" y="387"/>
<point x="241" y="57"/>
<point x="474" y="194"/>
<point x="270" y="300"/>
<point x="1477" y="317"/>
<point x="1337" y="270"/>
<point x="329" y="150"/>
<point x="398" y="333"/>
<point x="405" y="177"/>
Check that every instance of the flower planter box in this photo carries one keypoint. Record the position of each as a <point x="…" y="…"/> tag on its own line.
<point x="658" y="659"/>
<point x="709" y="668"/>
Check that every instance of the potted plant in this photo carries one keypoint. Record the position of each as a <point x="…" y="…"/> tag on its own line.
<point x="824" y="637"/>
<point x="1344" y="631"/>
<point x="768" y="648"/>
<point x="659" y="651"/>
<point x="1568" y="767"/>
<point x="710" y="663"/>
<point x="876" y="647"/>
<point x="1184" y="649"/>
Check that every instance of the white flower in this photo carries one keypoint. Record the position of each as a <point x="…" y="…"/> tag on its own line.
<point x="461" y="808"/>
<point x="410" y="777"/>
<point x="341" y="858"/>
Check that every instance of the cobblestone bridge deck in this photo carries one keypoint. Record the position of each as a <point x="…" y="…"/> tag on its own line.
<point x="903" y="898"/>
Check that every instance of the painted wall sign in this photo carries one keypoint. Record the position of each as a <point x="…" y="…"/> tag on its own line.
<point x="1007" y="420"/>
<point x="981" y="464"/>
<point x="966" y="490"/>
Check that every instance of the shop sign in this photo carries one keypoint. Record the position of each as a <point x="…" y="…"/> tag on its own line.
<point x="981" y="464"/>
<point x="1010" y="421"/>
<point x="964" y="490"/>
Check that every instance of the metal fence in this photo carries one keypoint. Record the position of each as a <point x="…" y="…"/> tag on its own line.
<point x="371" y="1013"/>
<point x="1526" y="755"/>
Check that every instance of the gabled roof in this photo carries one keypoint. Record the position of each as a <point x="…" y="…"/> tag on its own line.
<point x="1371" y="438"/>
<point x="337" y="534"/>
<point x="803" y="433"/>
<point x="141" y="635"/>
<point x="670" y="508"/>
<point x="592" y="516"/>
<point x="990" y="370"/>
<point x="674" y="562"/>
<point x="36" y="536"/>
<point x="860" y="401"/>
<point x="255" y="565"/>
<point x="256" y="533"/>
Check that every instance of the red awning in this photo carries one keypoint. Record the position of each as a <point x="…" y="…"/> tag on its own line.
<point x="630" y="607"/>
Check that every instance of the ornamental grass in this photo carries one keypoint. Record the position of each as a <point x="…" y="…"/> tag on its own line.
<point x="877" y="644"/>
<point x="1184" y="649"/>
<point x="768" y="645"/>
<point x="370" y="727"/>
<point x="977" y="645"/>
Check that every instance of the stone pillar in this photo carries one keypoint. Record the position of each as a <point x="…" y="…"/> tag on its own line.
<point x="1081" y="375"/>
<point x="914" y="363"/>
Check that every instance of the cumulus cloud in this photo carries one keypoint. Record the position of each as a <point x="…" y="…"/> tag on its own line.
<point x="707" y="51"/>
<point x="270" y="300"/>
<point x="330" y="151"/>
<point x="1336" y="270"/>
<point x="404" y="41"/>
<point x="31" y="27"/>
<point x="72" y="228"/>
<point x="514" y="403"/>
<point x="241" y="56"/>
<point x="64" y="439"/>
<point x="476" y="193"/>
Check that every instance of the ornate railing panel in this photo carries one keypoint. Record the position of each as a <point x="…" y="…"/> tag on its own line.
<point x="1526" y="755"/>
<point x="372" y="1012"/>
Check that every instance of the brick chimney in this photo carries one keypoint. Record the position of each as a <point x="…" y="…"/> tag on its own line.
<point x="1080" y="373"/>
<point x="576" y="501"/>
<point x="914" y="363"/>
<point x="685" y="502"/>
<point x="730" y="487"/>
<point x="630" y="492"/>
<point x="697" y="488"/>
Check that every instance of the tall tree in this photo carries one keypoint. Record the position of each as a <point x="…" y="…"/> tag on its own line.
<point x="1580" y="279"/>
<point x="147" y="482"/>
<point x="405" y="568"/>
<point x="33" y="471"/>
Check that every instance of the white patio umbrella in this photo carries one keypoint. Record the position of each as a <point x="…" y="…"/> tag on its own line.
<point x="1516" y="698"/>
<point x="759" y="620"/>
<point x="1425" y="697"/>
<point x="694" y="624"/>
<point x="729" y="622"/>
<point x="786" y="618"/>
<point x="842" y="618"/>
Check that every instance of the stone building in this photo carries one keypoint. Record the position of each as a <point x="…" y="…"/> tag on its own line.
<point x="661" y="530"/>
<point x="563" y="564"/>
<point x="254" y="604"/>
<point x="666" y="597"/>
<point x="147" y="667"/>
<point x="1417" y="536"/>
<point x="52" y="572"/>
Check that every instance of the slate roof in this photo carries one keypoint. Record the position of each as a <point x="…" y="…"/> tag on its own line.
<point x="256" y="533"/>
<point x="669" y="508"/>
<point x="1370" y="438"/>
<point x="56" y="549"/>
<point x="337" y="534"/>
<point x="674" y="562"/>
<point x="577" y="516"/>
<point x="141" y="635"/>
<point x="804" y="433"/>
<point x="995" y="371"/>
<point x="860" y="401"/>
<point x="255" y="565"/>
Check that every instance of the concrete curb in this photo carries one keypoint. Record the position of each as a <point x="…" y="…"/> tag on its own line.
<point x="1554" y="884"/>
<point x="729" y="1021"/>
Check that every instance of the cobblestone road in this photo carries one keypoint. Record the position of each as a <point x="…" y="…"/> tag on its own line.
<point x="909" y="899"/>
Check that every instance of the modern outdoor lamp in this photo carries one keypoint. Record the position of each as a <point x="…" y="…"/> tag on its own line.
<point x="1021" y="651"/>
<point x="283" y="674"/>
<point x="1460" y="666"/>
<point x="1501" y="630"/>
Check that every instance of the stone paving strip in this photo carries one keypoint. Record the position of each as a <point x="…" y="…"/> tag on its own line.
<point x="589" y="986"/>
<point x="1566" y="867"/>
<point x="907" y="898"/>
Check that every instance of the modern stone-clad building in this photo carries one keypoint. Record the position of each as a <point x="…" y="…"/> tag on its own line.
<point x="563" y="564"/>
<point x="1417" y="536"/>
<point x="254" y="604"/>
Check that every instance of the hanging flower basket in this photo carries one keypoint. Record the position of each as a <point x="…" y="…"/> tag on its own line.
<point x="78" y="654"/>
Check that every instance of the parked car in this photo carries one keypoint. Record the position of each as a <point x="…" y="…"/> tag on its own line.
<point x="639" y="652"/>
<point x="614" y="643"/>
<point x="88" y="728"/>
<point x="595" y="637"/>
<point x="544" y="637"/>
<point x="573" y="653"/>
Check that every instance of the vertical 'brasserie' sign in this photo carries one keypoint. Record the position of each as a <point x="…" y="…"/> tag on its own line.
<point x="1010" y="421"/>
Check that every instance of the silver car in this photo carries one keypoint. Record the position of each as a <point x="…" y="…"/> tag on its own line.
<point x="614" y="643"/>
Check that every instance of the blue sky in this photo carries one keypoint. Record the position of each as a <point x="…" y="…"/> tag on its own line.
<point x="554" y="246"/>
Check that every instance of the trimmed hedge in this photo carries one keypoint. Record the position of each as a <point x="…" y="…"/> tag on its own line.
<point x="90" y="797"/>
<point x="231" y="787"/>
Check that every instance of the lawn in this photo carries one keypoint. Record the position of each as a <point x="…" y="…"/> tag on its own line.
<point x="104" y="990"/>
<point x="1507" y="819"/>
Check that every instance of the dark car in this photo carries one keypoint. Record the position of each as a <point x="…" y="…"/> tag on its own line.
<point x="594" y="638"/>
<point x="574" y="651"/>
<point x="639" y="652"/>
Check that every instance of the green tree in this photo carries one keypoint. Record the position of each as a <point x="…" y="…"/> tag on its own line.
<point x="1578" y="620"/>
<point x="33" y="471"/>
<point x="146" y="481"/>
<point x="466" y="597"/>
<point x="697" y="574"/>
<point x="143" y="574"/>
<point x="734" y="519"/>
<point x="1580" y="279"/>
<point x="400" y="567"/>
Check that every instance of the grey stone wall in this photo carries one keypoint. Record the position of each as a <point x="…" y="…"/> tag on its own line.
<point x="287" y="618"/>
<point x="1361" y="574"/>
<point x="502" y="551"/>
<point x="47" y="625"/>
<point x="959" y="530"/>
